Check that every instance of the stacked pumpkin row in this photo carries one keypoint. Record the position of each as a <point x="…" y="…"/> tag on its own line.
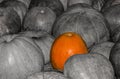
<point x="20" y="55"/>
<point x="59" y="39"/>
<point x="111" y="13"/>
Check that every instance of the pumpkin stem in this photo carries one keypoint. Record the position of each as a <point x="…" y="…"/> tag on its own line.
<point x="70" y="34"/>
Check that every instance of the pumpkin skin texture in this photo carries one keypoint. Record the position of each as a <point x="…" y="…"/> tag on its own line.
<point x="114" y="58"/>
<point x="103" y="48"/>
<point x="64" y="46"/>
<point x="26" y="2"/>
<point x="96" y="4"/>
<point x="54" y="5"/>
<point x="18" y="6"/>
<point x="88" y="66"/>
<point x="110" y="3"/>
<point x="19" y="57"/>
<point x="47" y="75"/>
<point x="84" y="20"/>
<point x="39" y="18"/>
<point x="43" y="40"/>
<point x="9" y="20"/>
<point x="112" y="15"/>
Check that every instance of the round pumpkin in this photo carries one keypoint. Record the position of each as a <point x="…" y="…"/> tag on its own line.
<point x="9" y="20"/>
<point x="44" y="41"/>
<point x="88" y="66"/>
<point x="112" y="14"/>
<point x="54" y="5"/>
<point x="19" y="57"/>
<point x="84" y="20"/>
<point x="96" y="4"/>
<point x="64" y="46"/>
<point x="47" y="75"/>
<point x="103" y="48"/>
<point x="115" y="57"/>
<point x="39" y="18"/>
<point x="18" y="6"/>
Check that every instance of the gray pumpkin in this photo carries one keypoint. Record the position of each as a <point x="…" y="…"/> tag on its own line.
<point x="54" y="5"/>
<point x="18" y="6"/>
<point x="84" y="20"/>
<point x="115" y="57"/>
<point x="9" y="20"/>
<point x="44" y="41"/>
<point x="88" y="66"/>
<point x="112" y="15"/>
<point x="39" y="18"/>
<point x="103" y="48"/>
<point x="19" y="57"/>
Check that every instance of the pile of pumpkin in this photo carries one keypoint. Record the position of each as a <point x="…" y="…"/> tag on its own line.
<point x="59" y="39"/>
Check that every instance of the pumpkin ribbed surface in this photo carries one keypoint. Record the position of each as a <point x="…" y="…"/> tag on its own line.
<point x="19" y="57"/>
<point x="88" y="66"/>
<point x="39" y="18"/>
<point x="84" y="20"/>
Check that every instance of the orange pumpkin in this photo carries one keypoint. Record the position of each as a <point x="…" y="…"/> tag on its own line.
<point x="64" y="46"/>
